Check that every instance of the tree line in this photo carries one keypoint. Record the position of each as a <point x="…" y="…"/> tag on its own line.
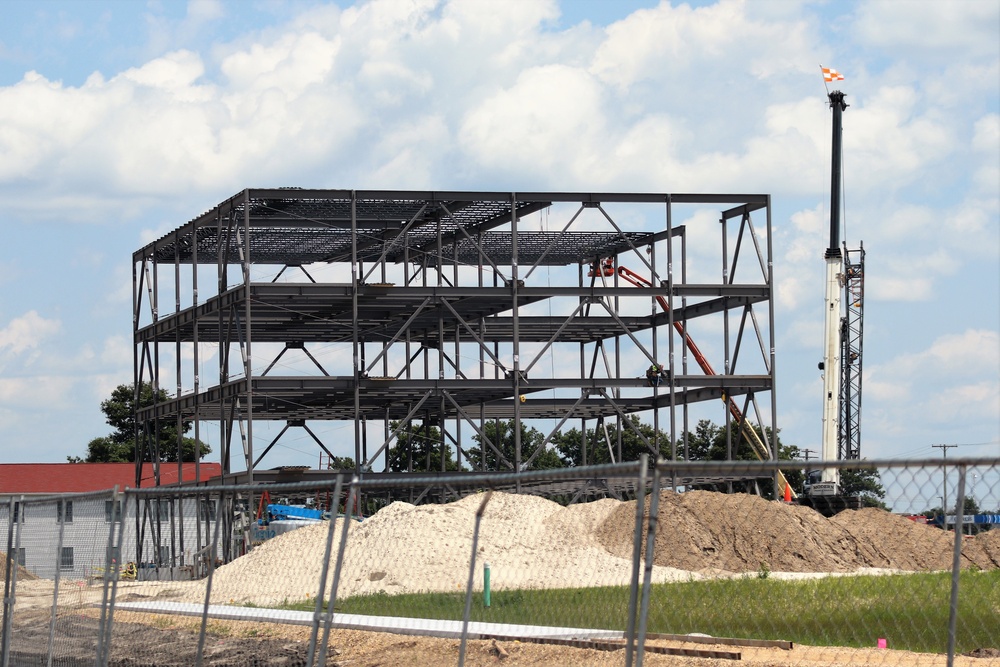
<point x="421" y="447"/>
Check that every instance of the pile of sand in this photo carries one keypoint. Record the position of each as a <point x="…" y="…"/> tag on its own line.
<point x="531" y="542"/>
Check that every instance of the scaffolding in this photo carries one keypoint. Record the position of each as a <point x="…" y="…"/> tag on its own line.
<point x="449" y="310"/>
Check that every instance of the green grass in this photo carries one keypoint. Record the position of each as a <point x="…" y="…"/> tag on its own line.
<point x="910" y="611"/>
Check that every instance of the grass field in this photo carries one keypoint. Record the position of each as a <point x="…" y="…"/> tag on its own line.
<point x="910" y="611"/>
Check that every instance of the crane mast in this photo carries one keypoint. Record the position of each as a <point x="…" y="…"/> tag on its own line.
<point x="852" y="336"/>
<point x="832" y="343"/>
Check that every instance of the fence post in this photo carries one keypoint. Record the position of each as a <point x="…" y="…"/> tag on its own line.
<point x="110" y="583"/>
<point x="213" y="551"/>
<point x="472" y="574"/>
<point x="355" y="482"/>
<point x="633" y="596"/>
<point x="318" y="614"/>
<point x="61" y="519"/>
<point x="955" y="564"/>
<point x="8" y="589"/>
<point x="654" y="508"/>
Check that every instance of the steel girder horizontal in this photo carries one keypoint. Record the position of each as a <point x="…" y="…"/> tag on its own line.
<point x="332" y="398"/>
<point x="322" y="312"/>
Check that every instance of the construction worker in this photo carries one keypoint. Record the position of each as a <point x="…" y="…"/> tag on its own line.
<point x="654" y="374"/>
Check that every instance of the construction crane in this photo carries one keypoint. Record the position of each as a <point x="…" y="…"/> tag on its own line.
<point x="760" y="450"/>
<point x="842" y="346"/>
<point x="832" y="348"/>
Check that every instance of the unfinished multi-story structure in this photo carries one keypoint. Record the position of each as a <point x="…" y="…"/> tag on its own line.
<point x="451" y="309"/>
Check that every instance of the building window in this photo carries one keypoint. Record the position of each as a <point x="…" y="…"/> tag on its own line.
<point x="66" y="558"/>
<point x="18" y="514"/>
<point x="64" y="511"/>
<point x="116" y="507"/>
<point x="21" y="557"/>
<point x="206" y="509"/>
<point x="162" y="509"/>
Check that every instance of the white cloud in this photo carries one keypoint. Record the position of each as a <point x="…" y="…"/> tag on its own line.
<point x="889" y="139"/>
<point x="31" y="392"/>
<point x="556" y="111"/>
<point x="666" y="40"/>
<point x="915" y="28"/>
<point x="973" y="355"/>
<point x="953" y="384"/>
<point x="26" y="333"/>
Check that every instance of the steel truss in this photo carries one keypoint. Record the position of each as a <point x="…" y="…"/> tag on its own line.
<point x="852" y="338"/>
<point x="431" y="280"/>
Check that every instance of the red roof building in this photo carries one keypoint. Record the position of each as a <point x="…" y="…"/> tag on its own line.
<point x="54" y="478"/>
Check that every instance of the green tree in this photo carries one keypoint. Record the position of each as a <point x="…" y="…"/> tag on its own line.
<point x="634" y="438"/>
<point x="501" y="435"/>
<point x="341" y="463"/>
<point x="708" y="442"/>
<point x="119" y="446"/>
<point x="863" y="482"/>
<point x="419" y="447"/>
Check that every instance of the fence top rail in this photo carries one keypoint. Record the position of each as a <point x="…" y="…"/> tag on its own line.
<point x="716" y="467"/>
<point x="466" y="479"/>
<point x="621" y="471"/>
<point x="47" y="498"/>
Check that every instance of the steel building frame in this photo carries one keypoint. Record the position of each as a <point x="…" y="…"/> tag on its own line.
<point x="429" y="280"/>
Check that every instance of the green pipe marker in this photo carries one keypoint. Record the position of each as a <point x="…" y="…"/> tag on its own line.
<point x="486" y="584"/>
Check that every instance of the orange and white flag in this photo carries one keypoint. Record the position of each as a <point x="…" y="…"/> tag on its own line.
<point x="830" y="74"/>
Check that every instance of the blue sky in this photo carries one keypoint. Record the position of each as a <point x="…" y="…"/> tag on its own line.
<point x="121" y="120"/>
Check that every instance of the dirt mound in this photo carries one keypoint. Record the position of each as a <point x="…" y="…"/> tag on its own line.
<point x="706" y="531"/>
<point x="22" y="573"/>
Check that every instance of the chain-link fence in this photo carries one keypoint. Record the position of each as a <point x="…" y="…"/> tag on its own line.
<point x="567" y="567"/>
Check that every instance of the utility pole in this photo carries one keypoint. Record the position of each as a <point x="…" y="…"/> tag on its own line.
<point x="807" y="452"/>
<point x="944" y="499"/>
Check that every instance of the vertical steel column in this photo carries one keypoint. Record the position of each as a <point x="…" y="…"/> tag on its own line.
<point x="670" y="328"/>
<point x="136" y="309"/>
<point x="248" y="319"/>
<point x="196" y="370"/>
<point x="583" y="372"/>
<point x="154" y="371"/>
<point x="684" y="360"/>
<point x="355" y="336"/>
<point x="516" y="334"/>
<point x="730" y="452"/>
<point x="771" y="341"/>
<point x="220" y="274"/>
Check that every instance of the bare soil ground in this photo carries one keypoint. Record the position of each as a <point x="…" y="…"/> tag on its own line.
<point x="149" y="640"/>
